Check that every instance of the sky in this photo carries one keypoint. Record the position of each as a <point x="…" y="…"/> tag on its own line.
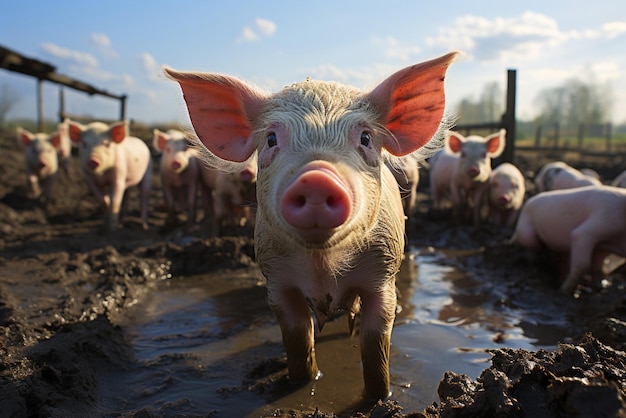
<point x="121" y="47"/>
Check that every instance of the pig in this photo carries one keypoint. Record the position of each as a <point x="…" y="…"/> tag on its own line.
<point x="43" y="154"/>
<point x="406" y="173"/>
<point x="113" y="161"/>
<point x="233" y="196"/>
<point x="329" y="229"/>
<point x="179" y="172"/>
<point x="587" y="223"/>
<point x="507" y="188"/>
<point x="620" y="180"/>
<point x="462" y="171"/>
<point x="560" y="175"/>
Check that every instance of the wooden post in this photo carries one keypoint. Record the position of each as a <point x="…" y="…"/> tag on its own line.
<point x="61" y="104"/>
<point x="508" y="118"/>
<point x="40" y="124"/>
<point x="123" y="107"/>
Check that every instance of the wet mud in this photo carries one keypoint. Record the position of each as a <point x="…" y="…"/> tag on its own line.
<point x="87" y="319"/>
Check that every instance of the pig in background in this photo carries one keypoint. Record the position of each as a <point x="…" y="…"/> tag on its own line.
<point x="461" y="172"/>
<point x="406" y="172"/>
<point x="179" y="172"/>
<point x="620" y="180"/>
<point x="329" y="231"/>
<point x="228" y="198"/>
<point x="113" y="161"/>
<point x="560" y="175"/>
<point x="586" y="223"/>
<point x="44" y="154"/>
<point x="507" y="190"/>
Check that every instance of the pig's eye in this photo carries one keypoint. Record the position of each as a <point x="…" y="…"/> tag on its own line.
<point x="271" y="140"/>
<point x="366" y="138"/>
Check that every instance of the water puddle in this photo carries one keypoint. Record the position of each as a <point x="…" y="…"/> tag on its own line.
<point x="198" y="338"/>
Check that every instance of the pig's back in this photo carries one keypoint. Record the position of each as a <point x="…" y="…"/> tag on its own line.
<point x="136" y="154"/>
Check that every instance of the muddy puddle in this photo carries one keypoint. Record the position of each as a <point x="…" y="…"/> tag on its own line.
<point x="197" y="338"/>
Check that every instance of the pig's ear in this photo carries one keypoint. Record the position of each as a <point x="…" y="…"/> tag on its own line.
<point x="118" y="131"/>
<point x="56" y="137"/>
<point x="454" y="141"/>
<point x="222" y="110"/>
<point x="412" y="103"/>
<point x="76" y="131"/>
<point x="159" y="140"/>
<point x="496" y="143"/>
<point x="23" y="136"/>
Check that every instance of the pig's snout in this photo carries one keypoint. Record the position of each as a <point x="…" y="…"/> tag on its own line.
<point x="247" y="175"/>
<point x="504" y="200"/>
<point x="41" y="164"/>
<point x="93" y="164"/>
<point x="176" y="165"/>
<point x="316" y="200"/>
<point x="473" y="171"/>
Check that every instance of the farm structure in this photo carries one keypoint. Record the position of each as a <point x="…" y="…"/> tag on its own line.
<point x="14" y="61"/>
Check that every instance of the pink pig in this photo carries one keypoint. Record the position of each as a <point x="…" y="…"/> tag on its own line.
<point x="179" y="172"/>
<point x="462" y="170"/>
<point x="234" y="195"/>
<point x="560" y="175"/>
<point x="588" y="223"/>
<point x="112" y="162"/>
<point x="329" y="231"/>
<point x="507" y="189"/>
<point x="407" y="175"/>
<point x="43" y="154"/>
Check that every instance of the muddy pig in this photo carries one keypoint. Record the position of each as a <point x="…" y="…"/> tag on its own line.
<point x="507" y="189"/>
<point x="560" y="175"/>
<point x="113" y="161"/>
<point x="329" y="231"/>
<point x="43" y="155"/>
<point x="462" y="171"/>
<point x="179" y="173"/>
<point x="588" y="223"/>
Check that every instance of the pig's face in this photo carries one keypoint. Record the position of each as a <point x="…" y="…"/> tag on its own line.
<point x="97" y="143"/>
<point x="319" y="126"/>
<point x="175" y="156"/>
<point x="41" y="155"/>
<point x="503" y="190"/>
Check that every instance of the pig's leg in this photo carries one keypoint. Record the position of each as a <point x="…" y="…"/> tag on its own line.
<point x="33" y="182"/>
<point x="296" y="324"/>
<point x="117" y="196"/>
<point x="192" y="191"/>
<point x="168" y="196"/>
<point x="378" y="312"/>
<point x="581" y="249"/>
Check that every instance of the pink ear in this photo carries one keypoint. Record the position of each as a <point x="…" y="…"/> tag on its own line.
<point x="454" y="141"/>
<point x="222" y="110"/>
<point x="118" y="131"/>
<point x="23" y="136"/>
<point x="159" y="140"/>
<point x="412" y="103"/>
<point x="496" y="143"/>
<point x="76" y="131"/>
<point x="55" y="140"/>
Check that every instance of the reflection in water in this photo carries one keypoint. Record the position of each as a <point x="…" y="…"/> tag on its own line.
<point x="196" y="339"/>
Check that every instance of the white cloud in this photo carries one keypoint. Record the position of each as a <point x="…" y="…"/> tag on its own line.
<point x="395" y="50"/>
<point x="263" y="27"/>
<point x="151" y="66"/>
<point x="520" y="37"/>
<point x="82" y="58"/>
<point x="103" y="44"/>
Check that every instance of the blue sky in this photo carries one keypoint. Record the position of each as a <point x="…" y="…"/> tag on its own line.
<point x="120" y="46"/>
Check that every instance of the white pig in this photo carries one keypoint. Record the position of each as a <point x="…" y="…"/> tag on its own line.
<point x="329" y="231"/>
<point x="620" y="180"/>
<point x="234" y="195"/>
<point x="179" y="172"/>
<point x="588" y="223"/>
<point x="507" y="189"/>
<point x="462" y="171"/>
<point x="43" y="154"/>
<point x="113" y="161"/>
<point x="559" y="175"/>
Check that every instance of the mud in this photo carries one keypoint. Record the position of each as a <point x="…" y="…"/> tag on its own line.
<point x="69" y="296"/>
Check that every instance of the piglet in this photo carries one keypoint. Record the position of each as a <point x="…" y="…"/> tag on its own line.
<point x="507" y="189"/>
<point x="461" y="171"/>
<point x="588" y="223"/>
<point x="560" y="175"/>
<point x="407" y="175"/>
<point x="329" y="231"/>
<point x="113" y="161"/>
<point x="234" y="196"/>
<point x="179" y="172"/>
<point x="43" y="155"/>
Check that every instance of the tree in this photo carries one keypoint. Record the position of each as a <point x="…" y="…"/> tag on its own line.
<point x="8" y="98"/>
<point x="576" y="102"/>
<point x="488" y="108"/>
